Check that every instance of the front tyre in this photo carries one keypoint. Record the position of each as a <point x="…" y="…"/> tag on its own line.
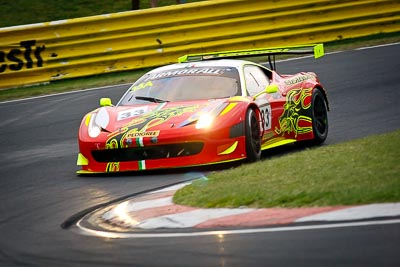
<point x="253" y="137"/>
<point x="319" y="117"/>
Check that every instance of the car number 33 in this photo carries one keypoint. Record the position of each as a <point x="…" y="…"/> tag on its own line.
<point x="266" y="117"/>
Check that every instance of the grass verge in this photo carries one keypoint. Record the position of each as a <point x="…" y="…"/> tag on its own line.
<point x="20" y="12"/>
<point x="358" y="172"/>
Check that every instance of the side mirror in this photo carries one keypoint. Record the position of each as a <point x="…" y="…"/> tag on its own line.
<point x="272" y="88"/>
<point x="105" y="102"/>
<point x="269" y="89"/>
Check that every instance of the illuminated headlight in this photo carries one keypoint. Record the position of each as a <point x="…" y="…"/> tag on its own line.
<point x="207" y="118"/>
<point x="205" y="121"/>
<point x="97" y="122"/>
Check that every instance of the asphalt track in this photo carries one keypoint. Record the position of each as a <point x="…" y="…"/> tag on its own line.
<point x="39" y="189"/>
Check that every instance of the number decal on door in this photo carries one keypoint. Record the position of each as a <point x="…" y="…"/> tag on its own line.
<point x="266" y="116"/>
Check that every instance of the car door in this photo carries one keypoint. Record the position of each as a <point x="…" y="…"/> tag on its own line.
<point x="256" y="80"/>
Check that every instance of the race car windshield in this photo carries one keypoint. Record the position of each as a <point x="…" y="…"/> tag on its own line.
<point x="184" y="85"/>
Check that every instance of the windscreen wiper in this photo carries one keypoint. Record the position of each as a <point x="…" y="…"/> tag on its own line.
<point x="151" y="99"/>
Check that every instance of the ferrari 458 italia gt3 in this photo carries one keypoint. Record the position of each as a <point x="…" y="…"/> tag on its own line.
<point x="209" y="108"/>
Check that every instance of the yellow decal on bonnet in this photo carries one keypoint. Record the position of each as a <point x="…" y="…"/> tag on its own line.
<point x="228" y="108"/>
<point x="142" y="123"/>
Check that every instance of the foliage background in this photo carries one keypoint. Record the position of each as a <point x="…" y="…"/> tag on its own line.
<point x="20" y="12"/>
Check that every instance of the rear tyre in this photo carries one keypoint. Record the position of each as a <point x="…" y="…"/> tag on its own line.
<point x="253" y="137"/>
<point x="319" y="117"/>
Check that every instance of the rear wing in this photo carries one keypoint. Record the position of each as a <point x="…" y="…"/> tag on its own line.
<point x="316" y="49"/>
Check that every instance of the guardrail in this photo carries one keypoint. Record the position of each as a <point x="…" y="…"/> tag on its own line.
<point x="44" y="52"/>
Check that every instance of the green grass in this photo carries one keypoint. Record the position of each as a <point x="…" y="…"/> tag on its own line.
<point x="20" y="12"/>
<point x="357" y="172"/>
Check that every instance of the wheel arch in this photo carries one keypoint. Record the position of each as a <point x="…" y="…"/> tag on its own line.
<point x="323" y="91"/>
<point x="253" y="140"/>
<point x="258" y="113"/>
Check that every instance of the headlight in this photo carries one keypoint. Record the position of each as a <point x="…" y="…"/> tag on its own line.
<point x="97" y="122"/>
<point x="207" y="118"/>
<point x="93" y="129"/>
<point x="205" y="121"/>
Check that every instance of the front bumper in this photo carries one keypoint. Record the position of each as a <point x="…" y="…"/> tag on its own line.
<point x="173" y="155"/>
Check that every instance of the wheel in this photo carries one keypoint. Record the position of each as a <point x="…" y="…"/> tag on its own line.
<point x="253" y="137"/>
<point x="319" y="117"/>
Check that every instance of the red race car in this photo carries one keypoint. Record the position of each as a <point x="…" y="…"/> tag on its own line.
<point x="209" y="108"/>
